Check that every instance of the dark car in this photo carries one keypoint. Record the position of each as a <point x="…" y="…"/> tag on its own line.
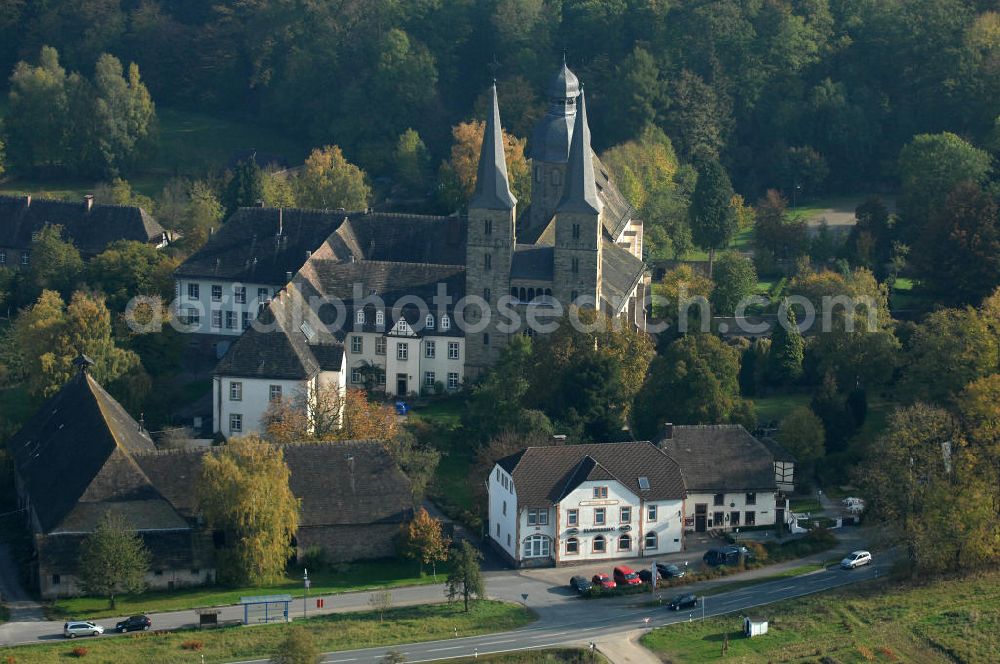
<point x="727" y="555"/>
<point x="626" y="576"/>
<point x="134" y="624"/>
<point x="683" y="602"/>
<point x="580" y="584"/>
<point x="603" y="580"/>
<point x="669" y="571"/>
<point x="647" y="577"/>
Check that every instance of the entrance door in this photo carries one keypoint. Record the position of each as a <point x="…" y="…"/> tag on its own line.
<point x="401" y="385"/>
<point x="700" y="517"/>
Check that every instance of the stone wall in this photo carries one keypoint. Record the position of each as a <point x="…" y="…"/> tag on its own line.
<point x="347" y="543"/>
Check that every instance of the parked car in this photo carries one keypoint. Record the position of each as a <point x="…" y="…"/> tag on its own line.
<point x="626" y="576"/>
<point x="603" y="580"/>
<point x="580" y="584"/>
<point x="685" y="601"/>
<point x="727" y="555"/>
<point x="134" y="624"/>
<point x="856" y="559"/>
<point x="76" y="628"/>
<point x="669" y="571"/>
<point x="646" y="576"/>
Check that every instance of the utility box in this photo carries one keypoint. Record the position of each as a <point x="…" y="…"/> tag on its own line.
<point x="754" y="626"/>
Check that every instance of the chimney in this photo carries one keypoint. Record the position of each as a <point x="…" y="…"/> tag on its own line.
<point x="667" y="431"/>
<point x="88" y="201"/>
<point x="559" y="439"/>
<point x="281" y="221"/>
<point x="288" y="277"/>
<point x="260" y="203"/>
<point x="27" y="201"/>
<point x="352" y="258"/>
<point x="308" y="254"/>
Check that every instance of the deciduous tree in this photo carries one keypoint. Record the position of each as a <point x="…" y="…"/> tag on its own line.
<point x="424" y="541"/>
<point x="465" y="579"/>
<point x="244" y="492"/>
<point x="113" y="559"/>
<point x="802" y="434"/>
<point x="735" y="279"/>
<point x="55" y="264"/>
<point x="458" y="175"/>
<point x="128" y="268"/>
<point x="329" y="181"/>
<point x="299" y="647"/>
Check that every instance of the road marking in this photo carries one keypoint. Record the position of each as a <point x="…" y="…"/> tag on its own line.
<point x="441" y="649"/>
<point x="492" y="643"/>
<point x="781" y="590"/>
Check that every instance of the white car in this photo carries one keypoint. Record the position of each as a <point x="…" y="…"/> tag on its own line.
<point x="76" y="628"/>
<point x="856" y="559"/>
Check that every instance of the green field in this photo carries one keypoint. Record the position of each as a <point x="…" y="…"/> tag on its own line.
<point x="952" y="620"/>
<point x="190" y="144"/>
<point x="365" y="575"/>
<point x="777" y="406"/>
<point x="339" y="631"/>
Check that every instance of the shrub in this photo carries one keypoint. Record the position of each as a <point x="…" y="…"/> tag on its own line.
<point x="10" y="660"/>
<point x="866" y="653"/>
<point x="888" y="653"/>
<point x="316" y="557"/>
<point x="193" y="645"/>
<point x="79" y="651"/>
<point x="298" y="648"/>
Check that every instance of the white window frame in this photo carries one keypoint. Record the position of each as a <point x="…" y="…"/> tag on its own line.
<point x="216" y="292"/>
<point x="230" y="320"/>
<point x="452" y="380"/>
<point x="235" y="390"/>
<point x="429" y="321"/>
<point x="430" y="349"/>
<point x="379" y="318"/>
<point x="240" y="294"/>
<point x="216" y="319"/>
<point x="536" y="546"/>
<point x="428" y="379"/>
<point x="274" y="393"/>
<point x="357" y="344"/>
<point x="651" y="535"/>
<point x="402" y="351"/>
<point x="194" y="291"/>
<point x="235" y="423"/>
<point x="356" y="376"/>
<point x="445" y="322"/>
<point x="453" y="350"/>
<point x="380" y="345"/>
<point x="360" y="317"/>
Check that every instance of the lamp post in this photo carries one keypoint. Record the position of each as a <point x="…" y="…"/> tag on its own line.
<point x="305" y="598"/>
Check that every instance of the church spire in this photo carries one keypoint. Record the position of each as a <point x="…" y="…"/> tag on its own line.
<point x="580" y="193"/>
<point x="492" y="185"/>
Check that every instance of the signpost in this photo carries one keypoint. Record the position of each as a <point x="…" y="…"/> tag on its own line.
<point x="306" y="583"/>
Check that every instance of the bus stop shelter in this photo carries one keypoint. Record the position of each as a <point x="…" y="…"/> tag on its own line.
<point x="265" y="608"/>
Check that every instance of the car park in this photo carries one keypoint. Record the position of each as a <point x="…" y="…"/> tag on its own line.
<point x="669" y="571"/>
<point x="626" y="576"/>
<point x="604" y="581"/>
<point x="134" y="624"/>
<point x="75" y="628"/>
<point x="580" y="584"/>
<point x="856" y="559"/>
<point x="685" y="601"/>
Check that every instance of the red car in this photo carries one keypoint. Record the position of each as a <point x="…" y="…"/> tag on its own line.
<point x="602" y="580"/>
<point x="626" y="576"/>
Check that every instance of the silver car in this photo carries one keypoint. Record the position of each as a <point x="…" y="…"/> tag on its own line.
<point x="76" y="628"/>
<point x="856" y="559"/>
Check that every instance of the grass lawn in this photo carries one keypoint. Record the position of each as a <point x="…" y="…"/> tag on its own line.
<point x="742" y="241"/>
<point x="332" y="632"/>
<point x="806" y="505"/>
<point x="365" y="575"/>
<point x="553" y="655"/>
<point x="190" y="144"/>
<point x="777" y="406"/>
<point x="450" y="489"/>
<point x="952" y="620"/>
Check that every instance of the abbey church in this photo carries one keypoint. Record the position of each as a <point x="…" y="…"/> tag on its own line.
<point x="578" y="243"/>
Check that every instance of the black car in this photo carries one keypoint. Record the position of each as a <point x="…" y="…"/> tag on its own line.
<point x="580" y="584"/>
<point x="647" y="577"/>
<point x="134" y="624"/>
<point x="683" y="602"/>
<point x="727" y="555"/>
<point x="669" y="571"/>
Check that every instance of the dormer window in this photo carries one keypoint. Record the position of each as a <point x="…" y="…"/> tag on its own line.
<point x="379" y="318"/>
<point x="445" y="322"/>
<point x="429" y="322"/>
<point x="361" y="318"/>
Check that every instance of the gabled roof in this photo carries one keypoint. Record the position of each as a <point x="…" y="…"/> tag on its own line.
<point x="544" y="475"/>
<point x="492" y="185"/>
<point x="533" y="262"/>
<point x="91" y="230"/>
<point x="580" y="192"/>
<point x="620" y="272"/>
<point x="340" y="483"/>
<point x="261" y="245"/>
<point x="79" y="447"/>
<point x="287" y="341"/>
<point x="719" y="458"/>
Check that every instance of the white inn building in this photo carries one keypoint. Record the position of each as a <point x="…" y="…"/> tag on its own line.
<point x="580" y="503"/>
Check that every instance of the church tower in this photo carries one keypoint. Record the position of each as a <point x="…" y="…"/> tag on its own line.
<point x="577" y="260"/>
<point x="489" y="247"/>
<point x="550" y="144"/>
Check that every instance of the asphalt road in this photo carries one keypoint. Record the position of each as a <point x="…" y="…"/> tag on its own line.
<point x="580" y="621"/>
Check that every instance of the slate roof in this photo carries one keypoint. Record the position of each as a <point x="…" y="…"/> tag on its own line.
<point x="78" y="448"/>
<point x="551" y="137"/>
<point x="287" y="341"/>
<point x="720" y="458"/>
<point x="620" y="272"/>
<point x="248" y="247"/>
<point x="404" y="238"/>
<point x="580" y="191"/>
<point x="90" y="230"/>
<point x="492" y="190"/>
<point x="334" y="489"/>
<point x="544" y="475"/>
<point x="532" y="262"/>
